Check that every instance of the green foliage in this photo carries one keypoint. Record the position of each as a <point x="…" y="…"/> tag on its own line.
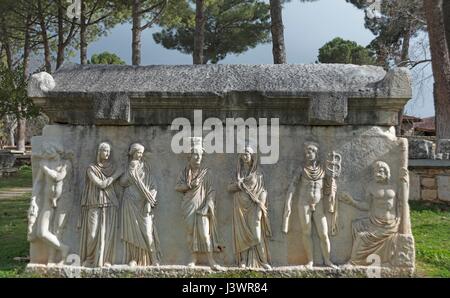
<point x="394" y="24"/>
<point x="13" y="94"/>
<point x="106" y="58"/>
<point x="345" y="51"/>
<point x="23" y="179"/>
<point x="103" y="15"/>
<point x="431" y="226"/>
<point x="232" y="27"/>
<point x="13" y="227"/>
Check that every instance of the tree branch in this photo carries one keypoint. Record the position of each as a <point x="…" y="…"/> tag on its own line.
<point x="411" y="63"/>
<point x="163" y="3"/>
<point x="156" y="17"/>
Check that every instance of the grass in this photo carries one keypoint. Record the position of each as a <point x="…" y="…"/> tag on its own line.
<point x="13" y="225"/>
<point x="23" y="179"/>
<point x="430" y="222"/>
<point x="431" y="229"/>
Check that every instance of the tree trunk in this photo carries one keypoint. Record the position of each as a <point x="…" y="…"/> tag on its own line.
<point x="61" y="46"/>
<point x="405" y="46"/>
<point x="136" y="42"/>
<point x="11" y="126"/>
<point x="6" y="45"/>
<point x="21" y="134"/>
<point x="22" y="122"/>
<point x="45" y="42"/>
<point x="27" y="48"/>
<point x="8" y="52"/>
<point x="404" y="57"/>
<point x="199" y="35"/>
<point x="12" y="139"/>
<point x="83" y="28"/>
<point x="440" y="61"/>
<point x="446" y="8"/>
<point x="277" y="29"/>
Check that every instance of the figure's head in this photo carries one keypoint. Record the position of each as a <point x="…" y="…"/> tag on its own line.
<point x="382" y="171"/>
<point x="246" y="157"/>
<point x="197" y="150"/>
<point x="196" y="156"/>
<point x="311" y="151"/>
<point x="136" y="151"/>
<point x="104" y="151"/>
<point x="51" y="150"/>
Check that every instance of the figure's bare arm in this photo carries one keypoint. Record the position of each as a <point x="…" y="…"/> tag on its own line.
<point x="181" y="187"/>
<point x="49" y="172"/>
<point x="348" y="199"/>
<point x="97" y="181"/>
<point x="57" y="175"/>
<point x="233" y="187"/>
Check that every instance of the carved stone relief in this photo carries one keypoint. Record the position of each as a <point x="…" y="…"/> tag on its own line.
<point x="99" y="211"/>
<point x="138" y="230"/>
<point x="198" y="207"/>
<point x="108" y="217"/>
<point x="48" y="210"/>
<point x="314" y="181"/>
<point x="251" y="225"/>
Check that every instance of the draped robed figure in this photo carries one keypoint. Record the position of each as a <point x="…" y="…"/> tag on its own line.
<point x="199" y="212"/>
<point x="378" y="233"/>
<point x="138" y="231"/>
<point x="99" y="211"/>
<point x="198" y="207"/>
<point x="251" y="226"/>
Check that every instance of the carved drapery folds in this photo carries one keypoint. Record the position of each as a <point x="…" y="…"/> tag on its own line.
<point x="126" y="197"/>
<point x="118" y="207"/>
<point x="386" y="229"/>
<point x="251" y="225"/>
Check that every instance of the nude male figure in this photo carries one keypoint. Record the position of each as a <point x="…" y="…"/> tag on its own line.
<point x="311" y="179"/>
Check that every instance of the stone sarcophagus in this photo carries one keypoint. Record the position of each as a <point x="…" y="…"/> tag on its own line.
<point x="221" y="167"/>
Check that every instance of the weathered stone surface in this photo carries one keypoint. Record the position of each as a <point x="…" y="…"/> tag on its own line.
<point x="405" y="253"/>
<point x="221" y="78"/>
<point x="347" y="111"/>
<point x="168" y="271"/>
<point x="429" y="182"/>
<point x="40" y="83"/>
<point x="420" y="149"/>
<point x="325" y="94"/>
<point x="429" y="194"/>
<point x="112" y="108"/>
<point x="328" y="108"/>
<point x="355" y="144"/>
<point x="430" y="165"/>
<point x="443" y="183"/>
<point x="443" y="146"/>
<point x="414" y="186"/>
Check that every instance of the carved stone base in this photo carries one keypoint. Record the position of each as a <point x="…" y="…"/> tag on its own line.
<point x="176" y="271"/>
<point x="405" y="254"/>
